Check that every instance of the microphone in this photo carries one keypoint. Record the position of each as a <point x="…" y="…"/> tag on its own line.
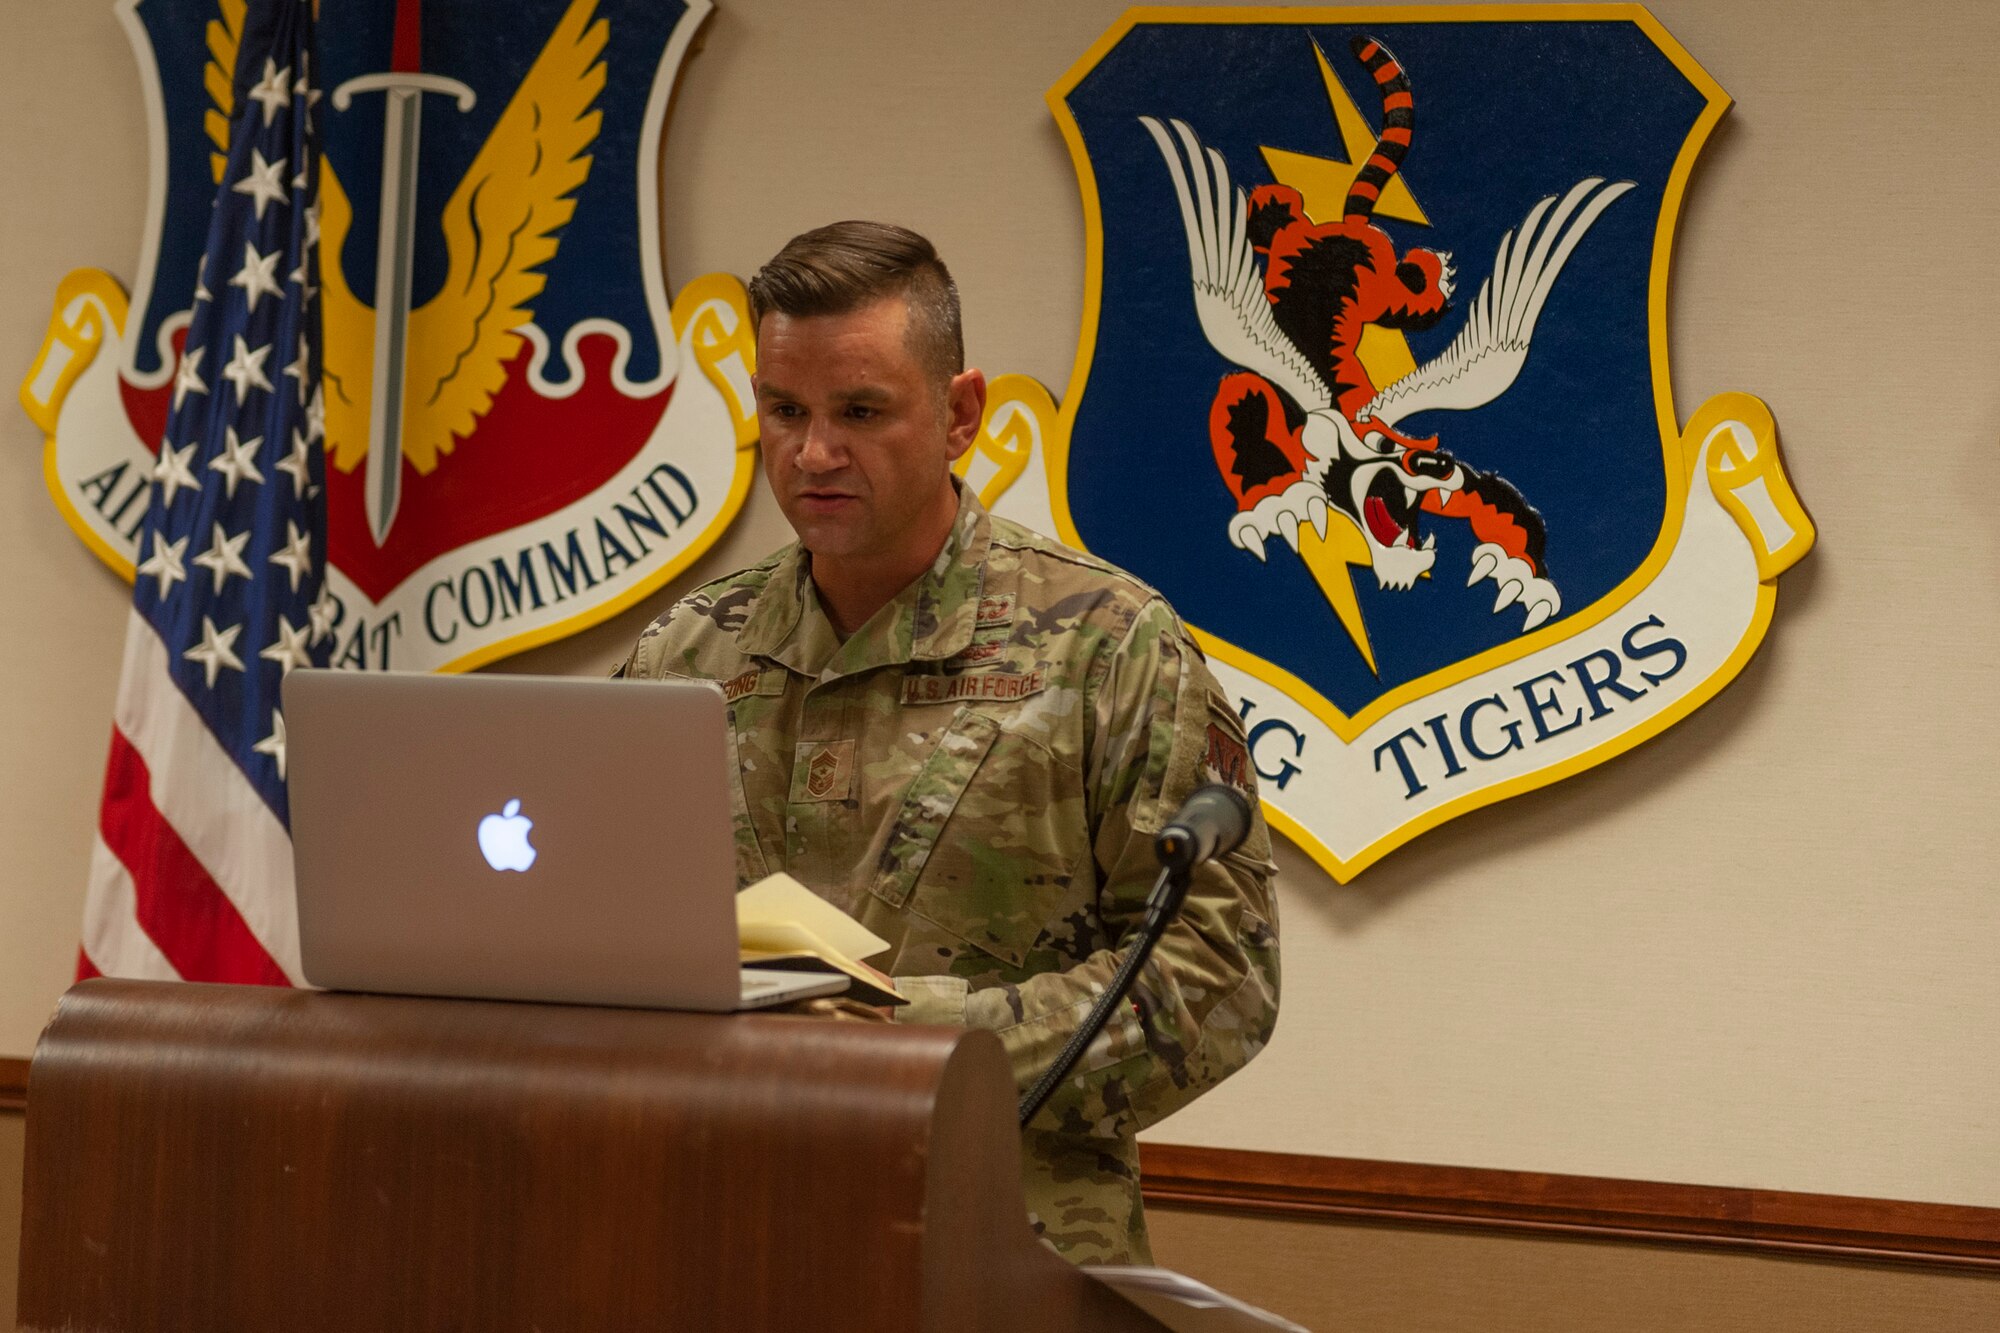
<point x="1213" y="822"/>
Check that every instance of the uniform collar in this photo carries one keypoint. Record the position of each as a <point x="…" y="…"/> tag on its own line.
<point x="929" y="620"/>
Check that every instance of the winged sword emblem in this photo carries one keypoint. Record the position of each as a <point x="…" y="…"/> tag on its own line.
<point x="501" y="225"/>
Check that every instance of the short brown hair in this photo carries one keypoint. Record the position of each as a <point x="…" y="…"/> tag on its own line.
<point x="839" y="268"/>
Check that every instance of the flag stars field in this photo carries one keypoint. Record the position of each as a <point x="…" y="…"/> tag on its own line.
<point x="273" y="745"/>
<point x="301" y="367"/>
<point x="295" y="556"/>
<point x="173" y="473"/>
<point x="198" y="760"/>
<point x="302" y="86"/>
<point x="272" y="92"/>
<point x="237" y="461"/>
<point x="216" y="650"/>
<point x="187" y="379"/>
<point x="258" y="276"/>
<point x="224" y="556"/>
<point x="246" y="369"/>
<point x="297" y="465"/>
<point x="164" y="564"/>
<point x="292" y="647"/>
<point x="263" y="185"/>
<point x="322" y="614"/>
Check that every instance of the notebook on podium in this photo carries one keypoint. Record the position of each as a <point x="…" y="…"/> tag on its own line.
<point x="519" y="838"/>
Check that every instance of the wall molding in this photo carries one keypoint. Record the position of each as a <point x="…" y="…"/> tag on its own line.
<point x="13" y="1085"/>
<point x="1591" y="1207"/>
<point x="1352" y="1189"/>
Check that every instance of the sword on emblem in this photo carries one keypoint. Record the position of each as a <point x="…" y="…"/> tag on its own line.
<point x="403" y="88"/>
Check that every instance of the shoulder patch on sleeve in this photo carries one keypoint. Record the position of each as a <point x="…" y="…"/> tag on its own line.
<point x="1228" y="760"/>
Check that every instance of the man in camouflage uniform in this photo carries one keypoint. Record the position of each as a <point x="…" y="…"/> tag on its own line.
<point x="965" y="735"/>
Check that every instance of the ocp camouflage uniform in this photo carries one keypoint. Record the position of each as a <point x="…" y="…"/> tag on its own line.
<point x="976" y="775"/>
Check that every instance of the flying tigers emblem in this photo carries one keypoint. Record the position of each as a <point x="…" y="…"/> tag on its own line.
<point x="1302" y="432"/>
<point x="1509" y="558"/>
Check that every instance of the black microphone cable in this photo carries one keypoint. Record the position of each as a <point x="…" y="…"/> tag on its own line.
<point x="1211" y="823"/>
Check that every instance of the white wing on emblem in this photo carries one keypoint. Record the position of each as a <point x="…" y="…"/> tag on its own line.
<point x="1483" y="360"/>
<point x="1228" y="280"/>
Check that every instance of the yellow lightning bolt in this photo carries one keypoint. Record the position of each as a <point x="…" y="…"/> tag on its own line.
<point x="1323" y="183"/>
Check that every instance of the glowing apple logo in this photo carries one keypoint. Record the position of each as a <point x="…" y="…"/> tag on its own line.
<point x="503" y="839"/>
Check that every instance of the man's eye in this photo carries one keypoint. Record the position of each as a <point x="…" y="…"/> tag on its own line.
<point x="857" y="412"/>
<point x="783" y="411"/>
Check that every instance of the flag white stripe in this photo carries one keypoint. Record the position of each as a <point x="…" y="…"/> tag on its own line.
<point x="199" y="789"/>
<point x="116" y="944"/>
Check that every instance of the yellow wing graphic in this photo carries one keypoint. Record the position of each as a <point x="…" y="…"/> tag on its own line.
<point x="225" y="35"/>
<point x="499" y="227"/>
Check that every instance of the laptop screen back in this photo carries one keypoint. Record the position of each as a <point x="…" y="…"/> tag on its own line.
<point x="513" y="837"/>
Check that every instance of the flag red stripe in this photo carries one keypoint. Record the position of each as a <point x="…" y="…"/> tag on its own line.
<point x="85" y="969"/>
<point x="180" y="907"/>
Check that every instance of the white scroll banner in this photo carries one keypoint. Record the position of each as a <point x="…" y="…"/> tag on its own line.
<point x="1627" y="674"/>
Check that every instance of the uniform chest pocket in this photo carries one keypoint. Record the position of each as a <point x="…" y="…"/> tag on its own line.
<point x="989" y="838"/>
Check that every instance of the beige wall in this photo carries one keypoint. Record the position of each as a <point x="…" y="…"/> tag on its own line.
<point x="1758" y="951"/>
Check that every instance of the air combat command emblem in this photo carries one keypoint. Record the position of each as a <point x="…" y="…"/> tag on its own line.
<point x="1372" y="385"/>
<point x="523" y="433"/>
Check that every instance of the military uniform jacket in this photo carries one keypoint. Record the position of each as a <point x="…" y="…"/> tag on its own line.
<point x="976" y="775"/>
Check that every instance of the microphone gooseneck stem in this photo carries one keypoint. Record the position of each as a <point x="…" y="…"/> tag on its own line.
<point x="1161" y="907"/>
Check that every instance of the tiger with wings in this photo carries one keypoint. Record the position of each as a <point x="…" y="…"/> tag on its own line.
<point x="1301" y="432"/>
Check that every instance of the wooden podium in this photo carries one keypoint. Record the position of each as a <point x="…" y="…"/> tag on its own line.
<point x="223" y="1158"/>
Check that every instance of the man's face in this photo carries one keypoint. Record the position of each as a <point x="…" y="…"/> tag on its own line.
<point x="858" y="439"/>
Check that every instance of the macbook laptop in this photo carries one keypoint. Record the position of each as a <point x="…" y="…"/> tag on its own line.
<point x="519" y="838"/>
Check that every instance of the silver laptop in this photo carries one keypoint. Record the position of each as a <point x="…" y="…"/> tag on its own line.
<point x="519" y="838"/>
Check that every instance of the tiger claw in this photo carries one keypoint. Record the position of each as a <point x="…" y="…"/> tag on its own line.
<point x="1244" y="533"/>
<point x="1282" y="515"/>
<point x="1517" y="583"/>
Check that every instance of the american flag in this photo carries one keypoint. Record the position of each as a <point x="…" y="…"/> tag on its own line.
<point x="191" y="875"/>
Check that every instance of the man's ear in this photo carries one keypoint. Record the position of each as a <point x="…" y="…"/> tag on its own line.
<point x="965" y="408"/>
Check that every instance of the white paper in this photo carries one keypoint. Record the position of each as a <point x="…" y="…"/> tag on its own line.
<point x="1185" y="1305"/>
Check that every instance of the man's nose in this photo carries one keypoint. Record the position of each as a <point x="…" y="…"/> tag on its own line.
<point x="819" y="451"/>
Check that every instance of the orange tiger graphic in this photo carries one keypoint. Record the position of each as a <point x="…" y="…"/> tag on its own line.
<point x="1303" y="430"/>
